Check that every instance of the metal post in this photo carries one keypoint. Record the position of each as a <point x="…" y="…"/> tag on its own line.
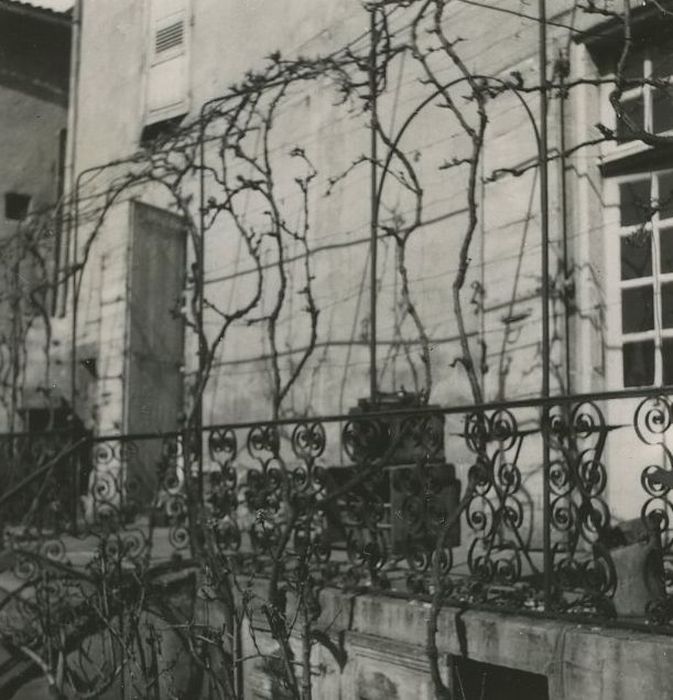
<point x="73" y="320"/>
<point x="562" y="66"/>
<point x="16" y="329"/>
<point x="74" y="183"/>
<point x="200" y="280"/>
<point x="544" y="233"/>
<point x="74" y="240"/>
<point x="373" y="383"/>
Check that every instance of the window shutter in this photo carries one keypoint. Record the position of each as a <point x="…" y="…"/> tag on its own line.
<point x="168" y="78"/>
<point x="171" y="36"/>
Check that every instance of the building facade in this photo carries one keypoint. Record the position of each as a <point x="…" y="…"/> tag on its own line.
<point x="232" y="179"/>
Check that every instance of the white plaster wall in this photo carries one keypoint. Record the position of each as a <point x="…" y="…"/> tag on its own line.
<point x="229" y="38"/>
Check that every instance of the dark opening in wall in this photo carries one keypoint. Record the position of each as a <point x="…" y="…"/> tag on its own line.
<point x="155" y="134"/>
<point x="91" y="366"/>
<point x="478" y="681"/>
<point x="16" y="206"/>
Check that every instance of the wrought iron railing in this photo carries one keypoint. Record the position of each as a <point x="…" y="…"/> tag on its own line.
<point x="399" y="502"/>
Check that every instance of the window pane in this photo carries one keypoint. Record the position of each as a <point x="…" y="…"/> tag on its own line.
<point x="636" y="256"/>
<point x="635" y="202"/>
<point x="638" y="359"/>
<point x="667" y="305"/>
<point x="637" y="310"/>
<point x="662" y="109"/>
<point x="634" y="111"/>
<point x="667" y="360"/>
<point x="666" y="248"/>
<point x="662" y="60"/>
<point x="665" y="205"/>
<point x="635" y="61"/>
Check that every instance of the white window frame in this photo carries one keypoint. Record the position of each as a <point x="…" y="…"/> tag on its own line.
<point x="612" y="151"/>
<point x="614" y="233"/>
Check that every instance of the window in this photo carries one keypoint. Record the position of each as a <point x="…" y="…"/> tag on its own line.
<point x="167" y="80"/>
<point x="16" y="206"/>
<point x="646" y="278"/>
<point x="635" y="277"/>
<point x="646" y="107"/>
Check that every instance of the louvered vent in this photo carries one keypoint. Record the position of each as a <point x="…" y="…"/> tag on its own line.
<point x="169" y="37"/>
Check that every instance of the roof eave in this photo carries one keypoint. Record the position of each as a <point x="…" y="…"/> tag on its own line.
<point x="62" y="19"/>
<point x="643" y="17"/>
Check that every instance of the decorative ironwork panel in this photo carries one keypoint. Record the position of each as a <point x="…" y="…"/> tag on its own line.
<point x="652" y="423"/>
<point x="583" y="570"/>
<point x="500" y="562"/>
<point x="366" y="502"/>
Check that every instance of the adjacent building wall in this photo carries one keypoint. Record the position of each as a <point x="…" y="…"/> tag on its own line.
<point x="34" y="75"/>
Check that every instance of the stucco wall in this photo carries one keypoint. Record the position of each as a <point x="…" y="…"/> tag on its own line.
<point x="501" y="292"/>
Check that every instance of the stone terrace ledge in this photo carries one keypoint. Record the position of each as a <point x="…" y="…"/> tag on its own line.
<point x="387" y="636"/>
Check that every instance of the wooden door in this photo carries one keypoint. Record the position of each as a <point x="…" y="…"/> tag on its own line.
<point x="154" y="380"/>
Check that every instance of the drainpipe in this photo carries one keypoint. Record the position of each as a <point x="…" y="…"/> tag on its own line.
<point x="200" y="279"/>
<point x="544" y="233"/>
<point x="70" y="247"/>
<point x="70" y="242"/>
<point x="562" y="70"/>
<point x="73" y="113"/>
<point x="373" y="380"/>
